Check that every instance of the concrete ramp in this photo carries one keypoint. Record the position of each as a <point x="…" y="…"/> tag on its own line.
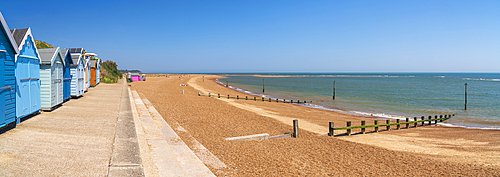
<point x="167" y="151"/>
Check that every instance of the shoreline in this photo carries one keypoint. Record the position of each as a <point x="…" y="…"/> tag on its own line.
<point x="340" y="111"/>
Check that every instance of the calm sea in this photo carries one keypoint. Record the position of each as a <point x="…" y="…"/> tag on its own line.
<point x="389" y="95"/>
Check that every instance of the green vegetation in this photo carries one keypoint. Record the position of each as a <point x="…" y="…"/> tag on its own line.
<point x="109" y="72"/>
<point x="42" y="45"/>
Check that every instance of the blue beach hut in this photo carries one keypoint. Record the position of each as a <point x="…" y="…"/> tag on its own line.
<point x="8" y="52"/>
<point x="51" y="77"/>
<point x="27" y="66"/>
<point x="68" y="61"/>
<point x="77" y="75"/>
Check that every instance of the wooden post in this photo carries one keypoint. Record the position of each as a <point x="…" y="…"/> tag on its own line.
<point x="465" y="106"/>
<point x="430" y="117"/>
<point x="376" y="123"/>
<point x="398" y="126"/>
<point x="269" y="99"/>
<point x="295" y="128"/>
<point x="218" y="95"/>
<point x="422" y="118"/>
<point x="407" y="124"/>
<point x="415" y="119"/>
<point x="246" y="97"/>
<point x="333" y="90"/>
<point x="440" y="116"/>
<point x="254" y="99"/>
<point x="262" y="98"/>
<point x="331" y="128"/>
<point x="277" y="100"/>
<point x="199" y="93"/>
<point x="388" y="122"/>
<point x="348" y="130"/>
<point x="435" y="121"/>
<point x="362" y="129"/>
<point x="298" y="101"/>
<point x="449" y="116"/>
<point x="263" y="91"/>
<point x="304" y="102"/>
<point x="291" y="101"/>
<point x="284" y="100"/>
<point x="237" y="97"/>
<point x="228" y="96"/>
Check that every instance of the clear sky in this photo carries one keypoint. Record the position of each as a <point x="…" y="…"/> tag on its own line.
<point x="272" y="36"/>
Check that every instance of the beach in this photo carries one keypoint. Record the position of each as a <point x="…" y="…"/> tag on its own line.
<point x="423" y="151"/>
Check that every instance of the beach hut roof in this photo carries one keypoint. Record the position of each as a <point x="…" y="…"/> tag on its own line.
<point x="65" y="52"/>
<point x="20" y="36"/>
<point x="76" y="58"/>
<point x="47" y="56"/>
<point x="77" y="50"/>
<point x="9" y="35"/>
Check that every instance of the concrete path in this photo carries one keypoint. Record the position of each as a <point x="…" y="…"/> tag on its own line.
<point x="90" y="136"/>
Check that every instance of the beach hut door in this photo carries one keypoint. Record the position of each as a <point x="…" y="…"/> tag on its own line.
<point x="3" y="89"/>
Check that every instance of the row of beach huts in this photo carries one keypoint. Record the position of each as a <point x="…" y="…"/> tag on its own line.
<point x="32" y="80"/>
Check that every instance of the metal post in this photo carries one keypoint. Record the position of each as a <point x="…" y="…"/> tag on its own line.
<point x="263" y="90"/>
<point x="334" y="90"/>
<point x="465" y="96"/>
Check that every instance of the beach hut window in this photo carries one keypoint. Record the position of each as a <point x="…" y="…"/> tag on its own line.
<point x="28" y="44"/>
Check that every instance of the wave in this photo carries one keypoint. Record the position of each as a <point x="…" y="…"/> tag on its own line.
<point x="481" y="79"/>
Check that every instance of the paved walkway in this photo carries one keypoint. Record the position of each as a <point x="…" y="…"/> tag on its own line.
<point x="90" y="136"/>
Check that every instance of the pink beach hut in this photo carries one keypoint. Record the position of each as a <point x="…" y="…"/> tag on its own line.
<point x="135" y="77"/>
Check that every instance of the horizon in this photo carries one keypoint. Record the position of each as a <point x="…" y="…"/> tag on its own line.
<point x="277" y="36"/>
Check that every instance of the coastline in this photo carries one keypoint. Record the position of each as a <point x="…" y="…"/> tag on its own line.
<point x="458" y="146"/>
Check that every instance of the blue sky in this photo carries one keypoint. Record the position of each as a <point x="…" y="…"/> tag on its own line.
<point x="272" y="36"/>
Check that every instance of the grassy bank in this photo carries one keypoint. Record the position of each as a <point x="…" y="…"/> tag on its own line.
<point x="109" y="72"/>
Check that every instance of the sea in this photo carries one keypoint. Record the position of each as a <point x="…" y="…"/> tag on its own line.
<point x="386" y="95"/>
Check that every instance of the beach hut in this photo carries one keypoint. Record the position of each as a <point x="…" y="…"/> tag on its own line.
<point x="8" y="52"/>
<point x="94" y="71"/>
<point x="135" y="76"/>
<point x="68" y="61"/>
<point x="86" y="70"/>
<point x="51" y="77"/>
<point x="77" y="75"/>
<point x="27" y="71"/>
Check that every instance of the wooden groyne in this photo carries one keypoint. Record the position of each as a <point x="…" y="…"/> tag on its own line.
<point x="277" y="100"/>
<point x="408" y="124"/>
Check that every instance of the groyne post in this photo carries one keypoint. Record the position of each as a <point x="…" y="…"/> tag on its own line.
<point x="398" y="126"/>
<point x="331" y="128"/>
<point x="376" y="123"/>
<point x="246" y="97"/>
<point x="441" y="116"/>
<point x="423" y="121"/>
<point x="208" y="94"/>
<point x="295" y="128"/>
<point x="388" y="122"/>
<point x="348" y="130"/>
<point x="415" y="119"/>
<point x="227" y="96"/>
<point x="218" y="95"/>
<point x="254" y="99"/>
<point x="407" y="124"/>
<point x="435" y="121"/>
<point x="262" y="98"/>
<point x="237" y="97"/>
<point x="269" y="99"/>
<point x="430" y="117"/>
<point x="363" y="129"/>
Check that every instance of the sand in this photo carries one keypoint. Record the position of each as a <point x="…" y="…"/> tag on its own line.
<point x="422" y="151"/>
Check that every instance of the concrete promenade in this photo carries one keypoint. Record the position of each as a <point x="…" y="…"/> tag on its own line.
<point x="90" y="136"/>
